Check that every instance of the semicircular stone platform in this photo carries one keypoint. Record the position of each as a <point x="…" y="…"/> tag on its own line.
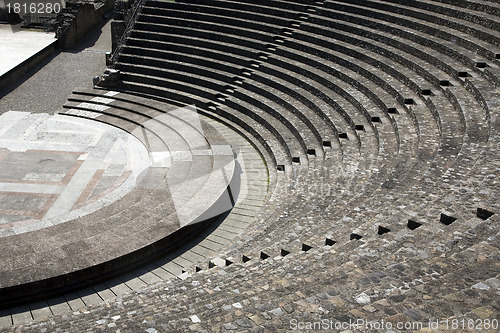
<point x="81" y="200"/>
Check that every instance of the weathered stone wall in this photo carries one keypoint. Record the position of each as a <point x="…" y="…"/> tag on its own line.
<point x="77" y="19"/>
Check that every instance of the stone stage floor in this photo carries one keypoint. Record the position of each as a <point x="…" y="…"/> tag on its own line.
<point x="56" y="168"/>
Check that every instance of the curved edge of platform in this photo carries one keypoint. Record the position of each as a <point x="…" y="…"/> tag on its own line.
<point x="66" y="283"/>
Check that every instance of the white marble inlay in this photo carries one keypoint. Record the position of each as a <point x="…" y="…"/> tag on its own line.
<point x="160" y="159"/>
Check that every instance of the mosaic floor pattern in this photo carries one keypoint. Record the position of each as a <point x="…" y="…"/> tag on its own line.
<point x="54" y="168"/>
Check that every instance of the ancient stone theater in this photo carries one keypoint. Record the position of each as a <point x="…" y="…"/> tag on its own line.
<point x="263" y="166"/>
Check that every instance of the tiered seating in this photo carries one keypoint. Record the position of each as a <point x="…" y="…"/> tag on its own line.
<point x="185" y="182"/>
<point x="429" y="85"/>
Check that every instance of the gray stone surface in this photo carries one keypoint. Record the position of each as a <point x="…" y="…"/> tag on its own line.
<point x="155" y="203"/>
<point x="19" y="45"/>
<point x="379" y="223"/>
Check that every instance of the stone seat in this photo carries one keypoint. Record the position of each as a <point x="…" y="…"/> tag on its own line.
<point x="481" y="28"/>
<point x="212" y="15"/>
<point x="341" y="228"/>
<point x="304" y="119"/>
<point x="269" y="82"/>
<point x="281" y="7"/>
<point x="198" y="90"/>
<point x="204" y="68"/>
<point x="193" y="38"/>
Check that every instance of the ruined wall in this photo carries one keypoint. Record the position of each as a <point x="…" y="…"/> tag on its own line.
<point x="123" y="9"/>
<point x="77" y="19"/>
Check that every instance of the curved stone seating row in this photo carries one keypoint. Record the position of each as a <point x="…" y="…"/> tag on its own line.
<point x="184" y="186"/>
<point x="466" y="53"/>
<point x="309" y="202"/>
<point x="246" y="98"/>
